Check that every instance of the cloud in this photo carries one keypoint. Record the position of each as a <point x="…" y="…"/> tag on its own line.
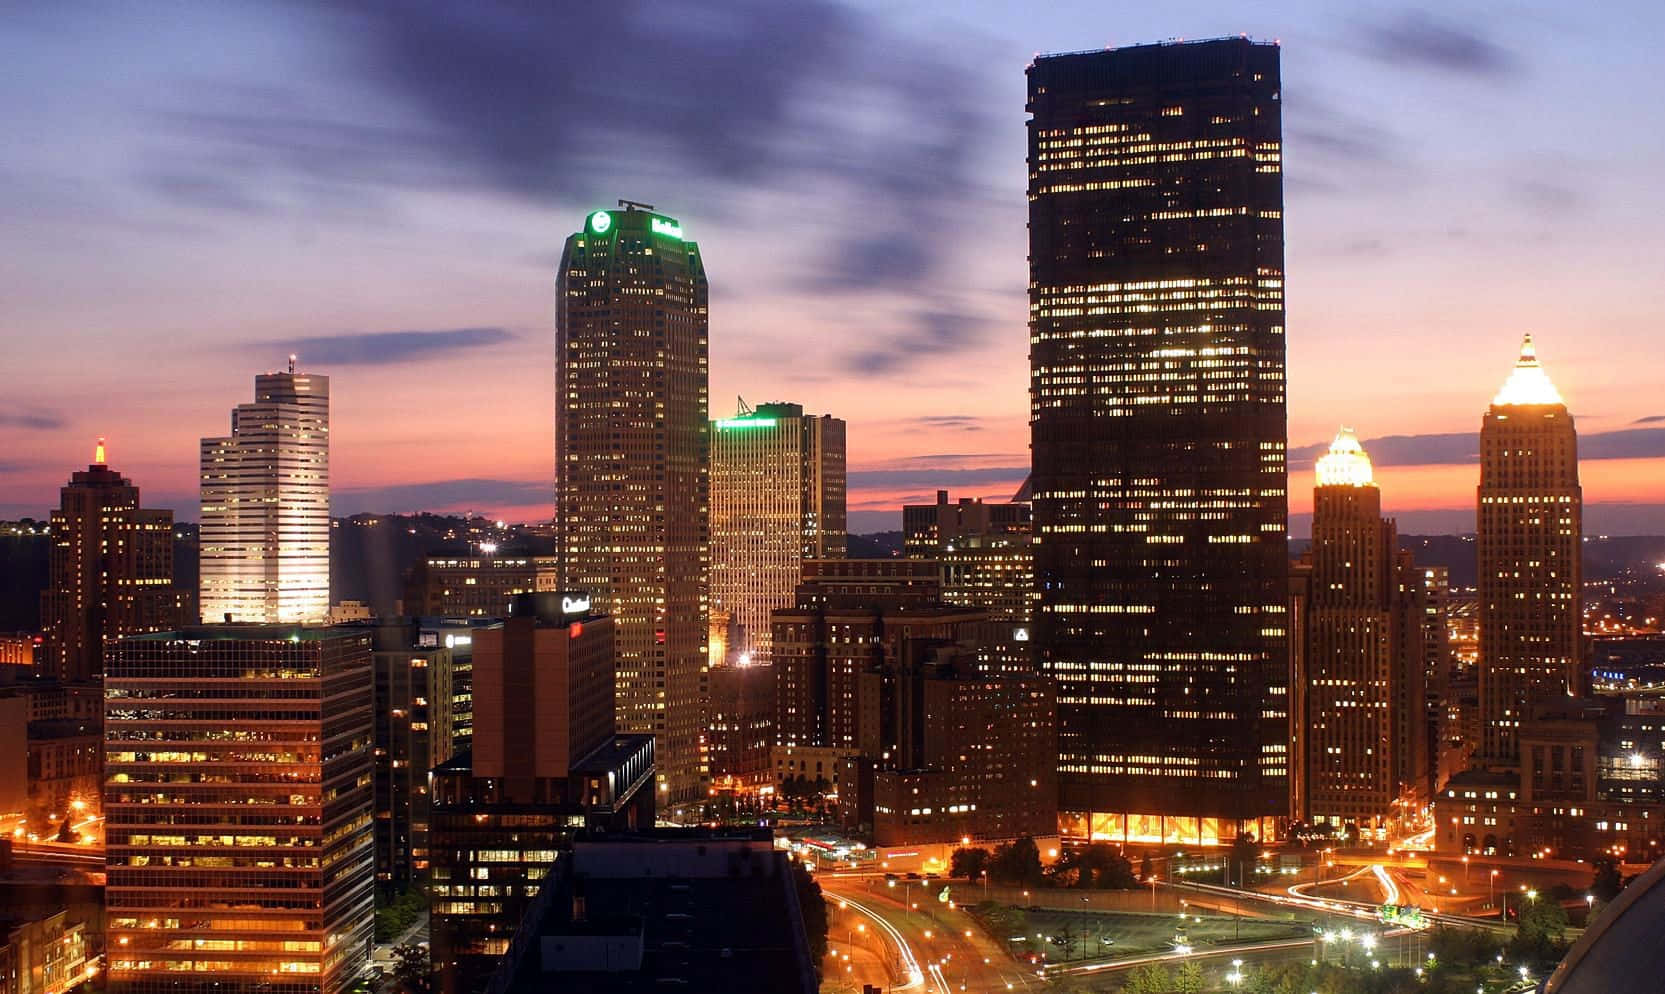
<point x="964" y="422"/>
<point x="1651" y="419"/>
<point x="929" y="335"/>
<point x="1462" y="448"/>
<point x="384" y="348"/>
<point x="712" y="100"/>
<point x="928" y="479"/>
<point x="1418" y="39"/>
<point x="471" y="492"/>
<point x="35" y="420"/>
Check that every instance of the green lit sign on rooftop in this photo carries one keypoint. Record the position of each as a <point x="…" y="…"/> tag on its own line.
<point x="746" y="423"/>
<point x="600" y="222"/>
<point x="665" y="226"/>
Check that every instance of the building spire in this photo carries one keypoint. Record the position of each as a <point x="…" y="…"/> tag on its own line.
<point x="98" y="453"/>
<point x="1527" y="384"/>
<point x="291" y="362"/>
<point x="1346" y="464"/>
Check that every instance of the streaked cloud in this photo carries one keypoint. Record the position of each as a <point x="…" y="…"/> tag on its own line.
<point x="386" y="348"/>
<point x="1457" y="448"/>
<point x="1418" y="39"/>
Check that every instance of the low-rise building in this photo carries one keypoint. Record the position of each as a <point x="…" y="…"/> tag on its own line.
<point x="42" y="955"/>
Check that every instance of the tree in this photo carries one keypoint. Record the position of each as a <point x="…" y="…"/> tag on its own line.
<point x="412" y="972"/>
<point x="1542" y="932"/>
<point x="1244" y="852"/>
<point x="1606" y="882"/>
<point x="1017" y="862"/>
<point x="814" y="910"/>
<point x="968" y="862"/>
<point x="1149" y="979"/>
<point x="1145" y="869"/>
<point x="1188" y="979"/>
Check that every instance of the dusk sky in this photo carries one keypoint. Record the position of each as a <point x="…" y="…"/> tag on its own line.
<point x="190" y="192"/>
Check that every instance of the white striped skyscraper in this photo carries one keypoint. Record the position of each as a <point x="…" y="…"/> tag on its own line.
<point x="266" y="506"/>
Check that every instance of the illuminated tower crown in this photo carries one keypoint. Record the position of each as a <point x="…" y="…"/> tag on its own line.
<point x="1346" y="465"/>
<point x="1527" y="384"/>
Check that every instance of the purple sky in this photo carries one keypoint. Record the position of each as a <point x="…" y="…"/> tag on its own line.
<point x="190" y="192"/>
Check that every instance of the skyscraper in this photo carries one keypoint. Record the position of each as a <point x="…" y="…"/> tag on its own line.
<point x="544" y="763"/>
<point x="239" y="840"/>
<point x="777" y="499"/>
<point x="633" y="462"/>
<point x="1158" y="435"/>
<point x="1531" y="512"/>
<point x="1362" y="669"/>
<point x="110" y="572"/>
<point x="266" y="506"/>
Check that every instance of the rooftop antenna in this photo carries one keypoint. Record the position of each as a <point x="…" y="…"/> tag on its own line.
<point x="741" y="408"/>
<point x="634" y="205"/>
<point x="291" y="362"/>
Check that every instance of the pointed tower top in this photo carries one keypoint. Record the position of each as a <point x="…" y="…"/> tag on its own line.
<point x="1527" y="384"/>
<point x="1346" y="465"/>
<point x="98" y="453"/>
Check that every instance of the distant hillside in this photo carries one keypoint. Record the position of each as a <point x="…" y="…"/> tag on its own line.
<point x="879" y="545"/>
<point x="1605" y="558"/>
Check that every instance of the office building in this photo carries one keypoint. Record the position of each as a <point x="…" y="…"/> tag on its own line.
<point x="970" y="754"/>
<point x="1531" y="510"/>
<point x="927" y="529"/>
<point x="545" y="762"/>
<point x="741" y="724"/>
<point x="240" y="852"/>
<point x="110" y="572"/>
<point x="777" y="499"/>
<point x="633" y="460"/>
<point x="1158" y="435"/>
<point x="833" y="647"/>
<point x="265" y="536"/>
<point x="477" y="585"/>
<point x="43" y="955"/>
<point x="414" y="733"/>
<point x="1361" y="672"/>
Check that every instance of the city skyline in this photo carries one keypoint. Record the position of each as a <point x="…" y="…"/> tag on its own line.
<point x="355" y="286"/>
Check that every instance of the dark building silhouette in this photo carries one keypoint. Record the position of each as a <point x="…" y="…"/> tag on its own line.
<point x="414" y="733"/>
<point x="1159" y="436"/>
<point x="111" y="572"/>
<point x="633" y="466"/>
<point x="544" y="763"/>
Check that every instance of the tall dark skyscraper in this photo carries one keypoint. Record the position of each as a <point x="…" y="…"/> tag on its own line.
<point x="110" y="572"/>
<point x="1530" y="523"/>
<point x="1157" y="410"/>
<point x="633" y="467"/>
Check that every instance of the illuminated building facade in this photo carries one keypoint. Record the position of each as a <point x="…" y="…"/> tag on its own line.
<point x="633" y="458"/>
<point x="42" y="955"/>
<point x="414" y="733"/>
<point x="1159" y="436"/>
<point x="777" y="499"/>
<point x="265" y="538"/>
<point x="969" y="754"/>
<point x="478" y="585"/>
<point x="741" y="724"/>
<point x="240" y="855"/>
<point x="545" y="762"/>
<point x="833" y="648"/>
<point x="1361" y="671"/>
<point x="1530" y="526"/>
<point x="927" y="529"/>
<point x="110" y="572"/>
